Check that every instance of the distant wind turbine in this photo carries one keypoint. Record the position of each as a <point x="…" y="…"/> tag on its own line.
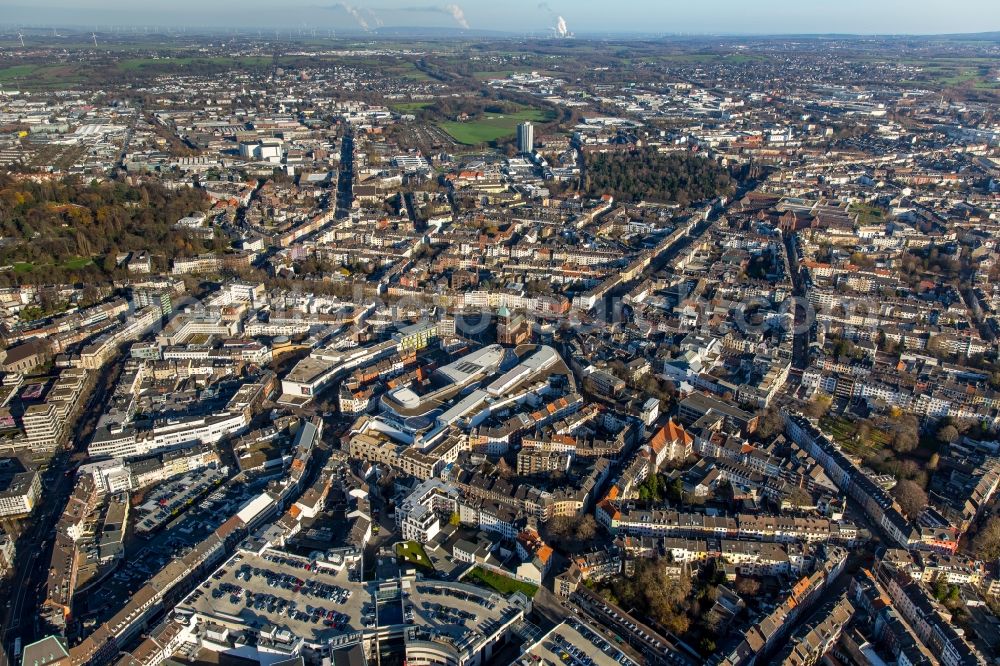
<point x="21" y="37"/>
<point x="93" y="36"/>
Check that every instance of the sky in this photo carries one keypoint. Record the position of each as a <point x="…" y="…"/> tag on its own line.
<point x="526" y="16"/>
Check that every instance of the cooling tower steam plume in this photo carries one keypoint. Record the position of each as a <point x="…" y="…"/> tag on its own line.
<point x="355" y="14"/>
<point x="374" y="17"/>
<point x="457" y="14"/>
<point x="452" y="10"/>
<point x="561" y="29"/>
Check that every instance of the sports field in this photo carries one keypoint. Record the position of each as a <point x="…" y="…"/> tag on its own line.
<point x="491" y="127"/>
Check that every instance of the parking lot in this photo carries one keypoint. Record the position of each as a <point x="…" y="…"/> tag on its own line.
<point x="575" y="644"/>
<point x="454" y="609"/>
<point x="148" y="553"/>
<point x="277" y="589"/>
<point x="284" y="591"/>
<point x="168" y="500"/>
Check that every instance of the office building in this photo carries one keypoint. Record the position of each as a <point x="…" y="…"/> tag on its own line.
<point x="19" y="488"/>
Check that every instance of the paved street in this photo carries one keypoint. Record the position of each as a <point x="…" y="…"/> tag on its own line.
<point x="26" y="587"/>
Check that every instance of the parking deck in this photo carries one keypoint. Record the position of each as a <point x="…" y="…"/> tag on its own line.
<point x="280" y="590"/>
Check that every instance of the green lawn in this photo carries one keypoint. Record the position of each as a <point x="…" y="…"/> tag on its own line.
<point x="17" y="71"/>
<point x="72" y="264"/>
<point x="491" y="127"/>
<point x="867" y="214"/>
<point x="405" y="69"/>
<point x="954" y="72"/>
<point x="839" y="428"/>
<point x="133" y="64"/>
<point x="37" y="77"/>
<point x="78" y="263"/>
<point x="502" y="584"/>
<point x="844" y="433"/>
<point x="414" y="553"/>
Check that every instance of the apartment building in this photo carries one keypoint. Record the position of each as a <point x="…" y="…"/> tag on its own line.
<point x="418" y="515"/>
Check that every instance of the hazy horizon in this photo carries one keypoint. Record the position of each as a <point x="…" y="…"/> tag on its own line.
<point x="712" y="17"/>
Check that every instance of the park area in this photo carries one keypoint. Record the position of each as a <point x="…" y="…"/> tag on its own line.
<point x="861" y="440"/>
<point x="75" y="263"/>
<point x="502" y="584"/>
<point x="893" y="445"/>
<point x="491" y="126"/>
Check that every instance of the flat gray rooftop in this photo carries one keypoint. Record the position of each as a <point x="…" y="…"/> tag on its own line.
<point x="456" y="612"/>
<point x="572" y="642"/>
<point x="230" y="608"/>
